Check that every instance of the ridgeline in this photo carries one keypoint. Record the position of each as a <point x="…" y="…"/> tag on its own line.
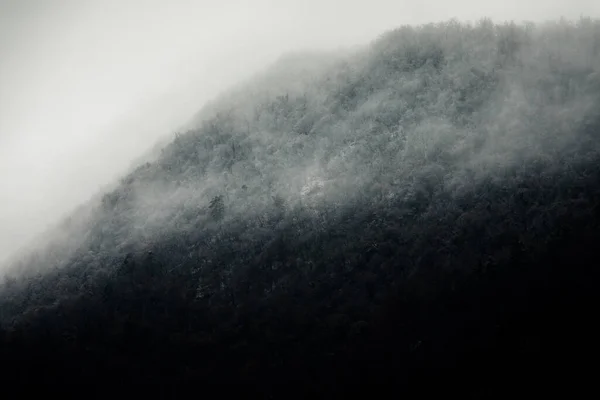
<point x="421" y="213"/>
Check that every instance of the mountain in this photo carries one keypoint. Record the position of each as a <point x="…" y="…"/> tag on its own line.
<point x="421" y="213"/>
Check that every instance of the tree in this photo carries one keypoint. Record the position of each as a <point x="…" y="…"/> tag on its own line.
<point x="217" y="208"/>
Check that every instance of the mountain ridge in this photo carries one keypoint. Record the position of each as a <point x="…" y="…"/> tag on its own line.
<point x="424" y="197"/>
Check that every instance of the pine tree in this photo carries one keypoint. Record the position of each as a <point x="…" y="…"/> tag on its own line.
<point x="217" y="208"/>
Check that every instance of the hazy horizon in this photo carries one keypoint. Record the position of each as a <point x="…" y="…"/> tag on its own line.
<point x="89" y="86"/>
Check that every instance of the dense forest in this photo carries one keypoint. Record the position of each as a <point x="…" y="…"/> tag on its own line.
<point x="421" y="213"/>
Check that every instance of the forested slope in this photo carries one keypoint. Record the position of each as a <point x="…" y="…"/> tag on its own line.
<point x="424" y="209"/>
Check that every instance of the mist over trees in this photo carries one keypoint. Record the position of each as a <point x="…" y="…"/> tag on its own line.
<point x="415" y="210"/>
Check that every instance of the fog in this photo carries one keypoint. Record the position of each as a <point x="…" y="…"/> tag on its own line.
<point x="88" y="87"/>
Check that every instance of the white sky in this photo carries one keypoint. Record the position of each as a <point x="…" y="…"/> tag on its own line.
<point x="88" y="85"/>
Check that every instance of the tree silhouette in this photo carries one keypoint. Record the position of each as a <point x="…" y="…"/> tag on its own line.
<point x="217" y="208"/>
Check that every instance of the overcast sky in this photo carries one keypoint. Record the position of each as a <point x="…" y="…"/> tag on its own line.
<point x="86" y="86"/>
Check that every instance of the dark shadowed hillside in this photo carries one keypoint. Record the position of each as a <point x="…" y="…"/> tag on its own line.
<point x="420" y="213"/>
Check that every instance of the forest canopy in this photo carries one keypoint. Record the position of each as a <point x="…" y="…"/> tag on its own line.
<point x="428" y="196"/>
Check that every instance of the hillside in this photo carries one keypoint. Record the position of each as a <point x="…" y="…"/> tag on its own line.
<point x="424" y="209"/>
